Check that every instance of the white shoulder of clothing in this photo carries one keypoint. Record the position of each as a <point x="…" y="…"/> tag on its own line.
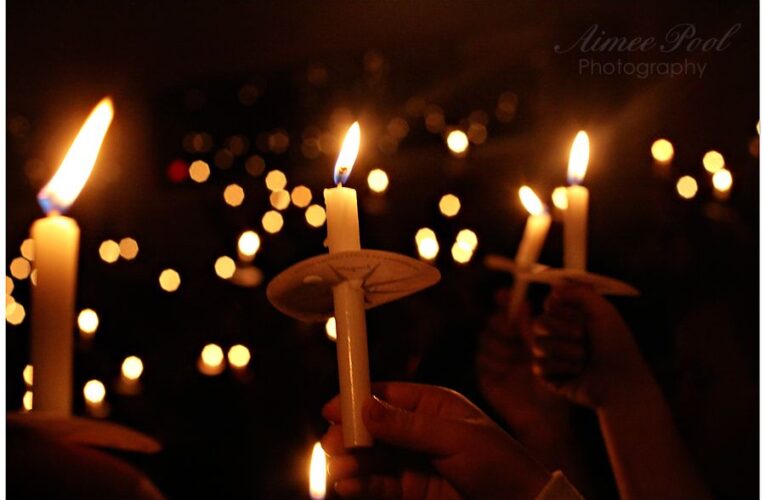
<point x="558" y="488"/>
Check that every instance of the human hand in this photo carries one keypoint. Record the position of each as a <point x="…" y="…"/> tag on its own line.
<point x="431" y="443"/>
<point x="583" y="349"/>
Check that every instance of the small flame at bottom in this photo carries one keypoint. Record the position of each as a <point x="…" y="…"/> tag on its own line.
<point x="318" y="473"/>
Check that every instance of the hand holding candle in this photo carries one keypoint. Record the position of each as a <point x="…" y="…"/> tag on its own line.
<point x="575" y="215"/>
<point x="352" y="355"/>
<point x="537" y="226"/>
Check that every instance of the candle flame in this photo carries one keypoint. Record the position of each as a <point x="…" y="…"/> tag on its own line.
<point x="348" y="153"/>
<point x="578" y="158"/>
<point x="318" y="473"/>
<point x="531" y="201"/>
<point x="67" y="182"/>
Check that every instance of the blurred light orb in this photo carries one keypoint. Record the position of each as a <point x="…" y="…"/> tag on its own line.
<point x="28" y="375"/>
<point x="225" y="267"/>
<point x="212" y="355"/>
<point x="272" y="221"/>
<point x="461" y="252"/>
<point x="33" y="277"/>
<point x="276" y="180"/>
<point x="128" y="248"/>
<point x="280" y="200"/>
<point x="199" y="171"/>
<point x="449" y="205"/>
<point x="233" y="195"/>
<point x="315" y="215"/>
<point x="377" y="180"/>
<point x="109" y="251"/>
<point x="255" y="165"/>
<point x="722" y="180"/>
<point x="713" y="161"/>
<point x="468" y="238"/>
<point x="457" y="141"/>
<point x="330" y="327"/>
<point x="560" y="198"/>
<point x="87" y="321"/>
<point x="8" y="285"/>
<point x="169" y="280"/>
<point x="687" y="187"/>
<point x="20" y="268"/>
<point x="132" y="367"/>
<point x="662" y="150"/>
<point x="238" y="356"/>
<point x="424" y="233"/>
<point x="26" y="402"/>
<point x="428" y="248"/>
<point x="301" y="196"/>
<point x="94" y="391"/>
<point x="249" y="243"/>
<point x="28" y="249"/>
<point x="15" y="313"/>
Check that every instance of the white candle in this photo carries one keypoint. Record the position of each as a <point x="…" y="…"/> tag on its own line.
<point x="352" y="353"/>
<point x="537" y="226"/>
<point x="56" y="250"/>
<point x="575" y="215"/>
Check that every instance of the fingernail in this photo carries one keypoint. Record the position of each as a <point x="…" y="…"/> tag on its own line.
<point x="377" y="409"/>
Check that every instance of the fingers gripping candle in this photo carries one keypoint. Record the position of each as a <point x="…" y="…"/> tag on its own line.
<point x="56" y="239"/>
<point x="537" y="226"/>
<point x="575" y="215"/>
<point x="352" y="353"/>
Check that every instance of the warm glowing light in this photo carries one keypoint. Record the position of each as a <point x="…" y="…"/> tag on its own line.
<point x="132" y="367"/>
<point x="128" y="248"/>
<point x="687" y="187"/>
<point x="87" y="320"/>
<point x="169" y="280"/>
<point x="233" y="195"/>
<point x="461" y="252"/>
<point x="315" y="215"/>
<point x="8" y="285"/>
<point x="713" y="161"/>
<point x="457" y="141"/>
<point x="722" y="180"/>
<point x="199" y="171"/>
<point x="225" y="267"/>
<point x="249" y="243"/>
<point x="427" y="243"/>
<point x="280" y="200"/>
<point x="276" y="180"/>
<point x="238" y="356"/>
<point x="69" y="179"/>
<point x="449" y="205"/>
<point x="758" y="127"/>
<point x="331" y="328"/>
<point x="560" y="198"/>
<point x="20" y="268"/>
<point x="301" y="196"/>
<point x="15" y="313"/>
<point x="377" y="180"/>
<point x="531" y="201"/>
<point x="109" y="251"/>
<point x="28" y="249"/>
<point x="348" y="154"/>
<point x="424" y="233"/>
<point x="272" y="221"/>
<point x="469" y="238"/>
<point x="28" y="374"/>
<point x="94" y="391"/>
<point x="318" y="473"/>
<point x="211" y="360"/>
<point x="27" y="401"/>
<point x="578" y="158"/>
<point x="662" y="150"/>
<point x="33" y="277"/>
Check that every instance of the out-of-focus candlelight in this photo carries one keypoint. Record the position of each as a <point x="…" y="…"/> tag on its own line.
<point x="537" y="226"/>
<point x="56" y="241"/>
<point x="199" y="171"/>
<point x="577" y="197"/>
<point x="713" y="161"/>
<point x="233" y="195"/>
<point x="722" y="180"/>
<point x="128" y="248"/>
<point x="449" y="205"/>
<point x="377" y="180"/>
<point x="211" y="360"/>
<point x="26" y="402"/>
<point x="301" y="196"/>
<point x="95" y="395"/>
<point x="427" y="244"/>
<point x="276" y="180"/>
<point x="317" y="476"/>
<point x="272" y="221"/>
<point x="225" y="267"/>
<point x="687" y="187"/>
<point x="457" y="141"/>
<point x="248" y="245"/>
<point x="109" y="251"/>
<point x="238" y="357"/>
<point x="315" y="215"/>
<point x="169" y="280"/>
<point x="662" y="151"/>
<point x="28" y="375"/>
<point x="130" y="373"/>
<point x="330" y="327"/>
<point x="87" y="321"/>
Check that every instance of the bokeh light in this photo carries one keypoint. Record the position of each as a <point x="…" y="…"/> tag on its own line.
<point x="225" y="267"/>
<point x="28" y="249"/>
<point x="211" y="360"/>
<point x="233" y="195"/>
<point x="26" y="402"/>
<point x="248" y="244"/>
<point x="8" y="285"/>
<point x="427" y="243"/>
<point x="238" y="356"/>
<point x="199" y="171"/>
<point x="94" y="391"/>
<point x="276" y="180"/>
<point x="560" y="198"/>
<point x="377" y="180"/>
<point x="20" y="268"/>
<point x="28" y="374"/>
<point x="469" y="238"/>
<point x="280" y="200"/>
<point x="662" y="150"/>
<point x="272" y="221"/>
<point x="449" y="205"/>
<point x="255" y="165"/>
<point x="315" y="215"/>
<point x="169" y="280"/>
<point x="461" y="252"/>
<point x="128" y="248"/>
<point x="109" y="251"/>
<point x="15" y="313"/>
<point x="457" y="141"/>
<point x="301" y="196"/>
<point x="132" y="367"/>
<point x="330" y="327"/>
<point x="687" y="187"/>
<point x="87" y="321"/>
<point x="722" y="180"/>
<point x="713" y="161"/>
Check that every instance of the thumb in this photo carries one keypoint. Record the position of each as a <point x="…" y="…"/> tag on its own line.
<point x="410" y="430"/>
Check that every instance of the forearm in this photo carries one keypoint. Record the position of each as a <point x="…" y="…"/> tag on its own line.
<point x="646" y="453"/>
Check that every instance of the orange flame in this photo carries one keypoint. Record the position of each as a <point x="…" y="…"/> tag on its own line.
<point x="578" y="158"/>
<point x="531" y="201"/>
<point x="348" y="153"/>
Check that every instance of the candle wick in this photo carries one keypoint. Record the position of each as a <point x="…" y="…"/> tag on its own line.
<point x="340" y="184"/>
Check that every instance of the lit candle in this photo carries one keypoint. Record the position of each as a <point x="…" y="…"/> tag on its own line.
<point x="537" y="226"/>
<point x="317" y="473"/>
<point x="130" y="374"/>
<point x="352" y="355"/>
<point x="575" y="215"/>
<point x="56" y="239"/>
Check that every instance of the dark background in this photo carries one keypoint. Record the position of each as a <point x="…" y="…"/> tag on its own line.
<point x="178" y="67"/>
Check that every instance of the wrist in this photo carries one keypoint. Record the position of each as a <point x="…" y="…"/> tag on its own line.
<point x="634" y="387"/>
